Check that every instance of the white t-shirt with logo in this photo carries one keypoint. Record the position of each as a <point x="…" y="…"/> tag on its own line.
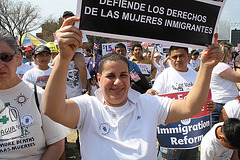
<point x="128" y="132"/>
<point x="232" y="109"/>
<point x="74" y="83"/>
<point x="211" y="148"/>
<point x="31" y="64"/>
<point x="172" y="81"/>
<point x="223" y="90"/>
<point x="21" y="70"/>
<point x="159" y="69"/>
<point x="195" y="63"/>
<point x="37" y="76"/>
<point x="24" y="131"/>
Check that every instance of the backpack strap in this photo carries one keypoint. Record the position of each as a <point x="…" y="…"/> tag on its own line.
<point x="36" y="97"/>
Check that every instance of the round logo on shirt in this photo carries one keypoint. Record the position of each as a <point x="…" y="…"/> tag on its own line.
<point x="27" y="120"/>
<point x="186" y="121"/>
<point x="104" y="128"/>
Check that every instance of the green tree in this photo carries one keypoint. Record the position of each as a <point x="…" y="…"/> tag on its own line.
<point x="18" y="17"/>
<point x="49" y="27"/>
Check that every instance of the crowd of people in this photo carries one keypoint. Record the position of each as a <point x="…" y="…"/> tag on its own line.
<point x="112" y="100"/>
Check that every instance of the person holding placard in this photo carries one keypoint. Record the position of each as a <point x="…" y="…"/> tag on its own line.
<point x="138" y="81"/>
<point x="118" y="123"/>
<point x="121" y="49"/>
<point x="177" y="78"/>
<point x="156" y="57"/>
<point x="146" y="65"/>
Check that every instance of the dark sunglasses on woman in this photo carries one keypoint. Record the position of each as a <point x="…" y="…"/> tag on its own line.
<point x="6" y="57"/>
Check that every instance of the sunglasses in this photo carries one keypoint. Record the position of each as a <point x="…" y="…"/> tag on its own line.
<point x="6" y="57"/>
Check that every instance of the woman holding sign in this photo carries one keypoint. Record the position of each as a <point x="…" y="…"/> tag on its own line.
<point x="117" y="123"/>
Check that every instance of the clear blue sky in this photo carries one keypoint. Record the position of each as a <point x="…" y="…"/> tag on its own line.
<point x="55" y="8"/>
<point x="231" y="11"/>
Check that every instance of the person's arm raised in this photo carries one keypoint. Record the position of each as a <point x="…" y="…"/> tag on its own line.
<point x="55" y="105"/>
<point x="196" y="99"/>
<point x="153" y="52"/>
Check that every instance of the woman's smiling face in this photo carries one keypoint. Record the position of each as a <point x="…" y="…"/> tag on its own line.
<point x="115" y="82"/>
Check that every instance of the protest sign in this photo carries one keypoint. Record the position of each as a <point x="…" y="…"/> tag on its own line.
<point x="187" y="133"/>
<point x="145" y="68"/>
<point x="186" y="22"/>
<point x="110" y="47"/>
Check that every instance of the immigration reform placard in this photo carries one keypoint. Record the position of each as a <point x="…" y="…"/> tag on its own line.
<point x="190" y="23"/>
<point x="188" y="133"/>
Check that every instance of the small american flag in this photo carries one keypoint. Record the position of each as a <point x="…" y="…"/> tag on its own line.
<point x="95" y="47"/>
<point x="134" y="75"/>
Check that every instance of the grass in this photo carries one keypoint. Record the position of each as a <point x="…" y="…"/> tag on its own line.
<point x="71" y="149"/>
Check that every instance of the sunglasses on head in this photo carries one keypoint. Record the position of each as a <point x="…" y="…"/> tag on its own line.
<point x="6" y="57"/>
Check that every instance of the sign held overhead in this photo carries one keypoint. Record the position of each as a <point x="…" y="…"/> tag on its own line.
<point x="189" y="23"/>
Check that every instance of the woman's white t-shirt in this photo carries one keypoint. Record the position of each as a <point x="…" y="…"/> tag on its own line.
<point x="223" y="90"/>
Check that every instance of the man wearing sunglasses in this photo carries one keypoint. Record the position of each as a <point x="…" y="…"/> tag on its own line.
<point x="26" y="131"/>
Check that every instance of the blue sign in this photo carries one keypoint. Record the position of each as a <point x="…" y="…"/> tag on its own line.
<point x="183" y="134"/>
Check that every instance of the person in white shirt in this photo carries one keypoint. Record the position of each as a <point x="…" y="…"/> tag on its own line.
<point x="195" y="61"/>
<point x="40" y="74"/>
<point x="22" y="68"/>
<point x="117" y="123"/>
<point x="26" y="133"/>
<point x="177" y="78"/>
<point x="220" y="142"/>
<point x="231" y="110"/>
<point x="155" y="57"/>
<point x="74" y="81"/>
<point x="223" y="82"/>
<point x="94" y="85"/>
